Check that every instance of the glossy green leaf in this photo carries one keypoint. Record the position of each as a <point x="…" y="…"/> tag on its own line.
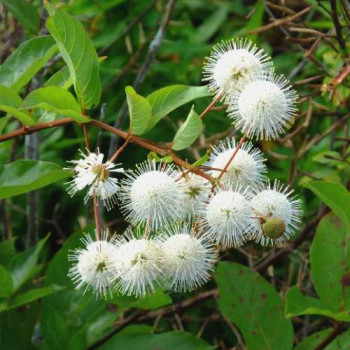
<point x="32" y="295"/>
<point x="26" y="61"/>
<point x="80" y="56"/>
<point x="22" y="264"/>
<point x="334" y="195"/>
<point x="10" y="102"/>
<point x="313" y="340"/>
<point x="188" y="132"/>
<point x="330" y="258"/>
<point x="26" y="13"/>
<point x="6" y="283"/>
<point x="55" y="99"/>
<point x="165" y="100"/>
<point x="139" y="111"/>
<point x="298" y="304"/>
<point x="254" y="306"/>
<point x="163" y="341"/>
<point x="23" y="176"/>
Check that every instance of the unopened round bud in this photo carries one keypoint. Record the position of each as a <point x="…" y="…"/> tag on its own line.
<point x="274" y="227"/>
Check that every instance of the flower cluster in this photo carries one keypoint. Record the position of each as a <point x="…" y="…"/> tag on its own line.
<point x="179" y="219"/>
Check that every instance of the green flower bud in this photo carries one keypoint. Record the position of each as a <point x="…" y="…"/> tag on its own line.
<point x="273" y="227"/>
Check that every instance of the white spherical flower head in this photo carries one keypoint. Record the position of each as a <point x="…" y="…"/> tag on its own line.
<point x="233" y="63"/>
<point x="278" y="214"/>
<point x="138" y="266"/>
<point x="93" y="268"/>
<point x="247" y="167"/>
<point x="188" y="260"/>
<point x="264" y="108"/>
<point x="196" y="190"/>
<point x="91" y="171"/>
<point x="151" y="195"/>
<point x="228" y="218"/>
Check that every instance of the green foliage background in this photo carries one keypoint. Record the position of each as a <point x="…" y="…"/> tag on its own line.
<point x="78" y="64"/>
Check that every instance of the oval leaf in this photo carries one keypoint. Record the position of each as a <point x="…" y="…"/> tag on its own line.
<point x="26" y="61"/>
<point x="188" y="132"/>
<point x="10" y="102"/>
<point x="165" y="100"/>
<point x="313" y="340"/>
<point x="80" y="56"/>
<point x="24" y="176"/>
<point x="139" y="111"/>
<point x="55" y="99"/>
<point x="254" y="306"/>
<point x="330" y="261"/>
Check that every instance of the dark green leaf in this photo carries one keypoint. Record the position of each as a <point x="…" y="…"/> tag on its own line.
<point x="139" y="111"/>
<point x="6" y="283"/>
<point x="55" y="99"/>
<point x="163" y="341"/>
<point x="22" y="264"/>
<point x="165" y="100"/>
<point x="80" y="56"/>
<point x="330" y="258"/>
<point x="26" y="13"/>
<point x="32" y="295"/>
<point x="10" y="102"/>
<point x="26" y="61"/>
<point x="188" y="132"/>
<point x="23" y="176"/>
<point x="7" y="251"/>
<point x="298" y="304"/>
<point x="254" y="306"/>
<point x="334" y="195"/>
<point x="208" y="28"/>
<point x="313" y="340"/>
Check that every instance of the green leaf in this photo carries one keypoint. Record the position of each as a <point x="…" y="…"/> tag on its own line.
<point x="330" y="258"/>
<point x="80" y="56"/>
<point x="6" y="283"/>
<point x="7" y="251"/>
<point x="254" y="306"/>
<point x="23" y="263"/>
<point x="26" y="61"/>
<point x="334" y="195"/>
<point x="55" y="99"/>
<point x="165" y="100"/>
<point x="298" y="304"/>
<point x="10" y="102"/>
<point x="163" y="341"/>
<point x="61" y="78"/>
<point x="313" y="340"/>
<point x="139" y="111"/>
<point x="26" y="13"/>
<point x="33" y="295"/>
<point x="23" y="176"/>
<point x="341" y="342"/>
<point x="188" y="132"/>
<point x="209" y="27"/>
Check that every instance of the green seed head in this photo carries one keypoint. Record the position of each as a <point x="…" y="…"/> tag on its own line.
<point x="273" y="227"/>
